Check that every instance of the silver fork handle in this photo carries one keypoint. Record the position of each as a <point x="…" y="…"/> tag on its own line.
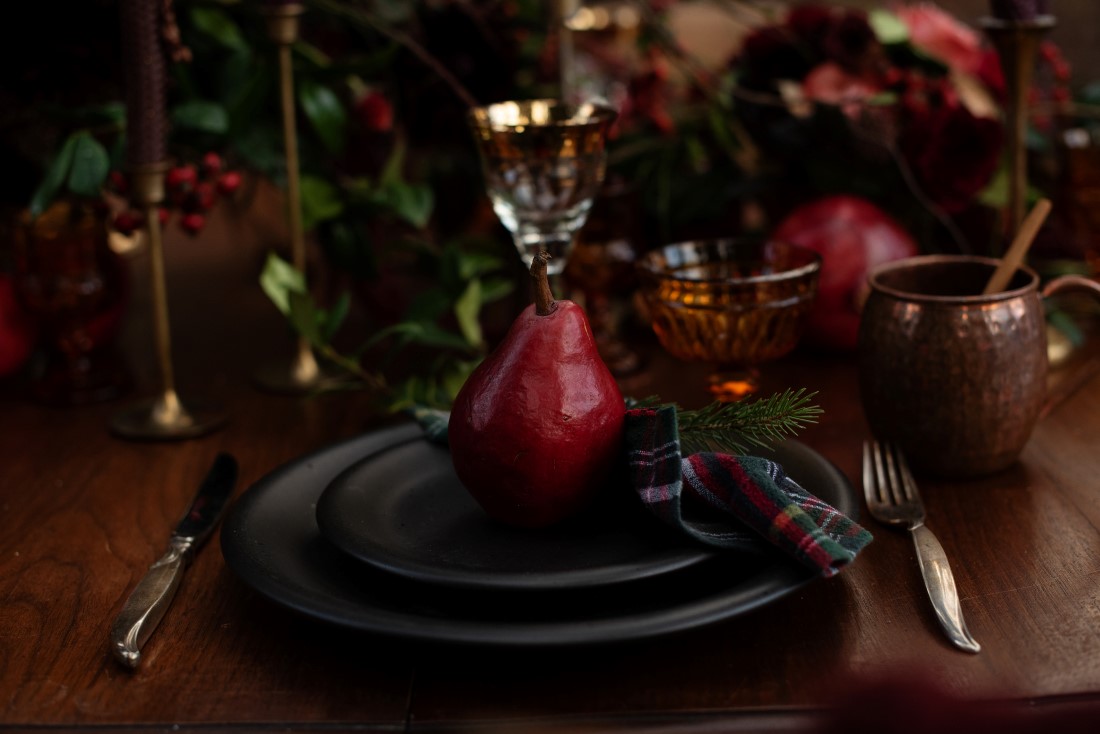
<point x="940" y="584"/>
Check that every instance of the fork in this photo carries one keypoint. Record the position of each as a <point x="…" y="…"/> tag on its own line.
<point x="892" y="498"/>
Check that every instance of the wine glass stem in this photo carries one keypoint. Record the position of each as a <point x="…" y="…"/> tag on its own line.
<point x="731" y="383"/>
<point x="557" y="244"/>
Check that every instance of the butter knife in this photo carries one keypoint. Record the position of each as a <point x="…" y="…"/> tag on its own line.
<point x="154" y="593"/>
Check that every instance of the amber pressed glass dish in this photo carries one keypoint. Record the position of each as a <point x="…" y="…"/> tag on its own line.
<point x="733" y="303"/>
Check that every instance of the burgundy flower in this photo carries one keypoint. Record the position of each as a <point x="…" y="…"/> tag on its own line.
<point x="952" y="153"/>
<point x="811" y="24"/>
<point x="939" y="34"/>
<point x="771" y="53"/>
<point x="851" y="42"/>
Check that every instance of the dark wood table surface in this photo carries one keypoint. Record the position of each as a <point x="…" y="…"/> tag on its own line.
<point x="83" y="514"/>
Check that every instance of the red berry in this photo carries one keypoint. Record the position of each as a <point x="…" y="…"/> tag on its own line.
<point x="229" y="182"/>
<point x="163" y="214"/>
<point x="203" y="197"/>
<point x="375" y="112"/>
<point x="127" y="222"/>
<point x="181" y="177"/>
<point x="192" y="223"/>
<point x="211" y="164"/>
<point x="119" y="181"/>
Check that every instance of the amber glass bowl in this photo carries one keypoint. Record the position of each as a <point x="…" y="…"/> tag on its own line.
<point x="731" y="302"/>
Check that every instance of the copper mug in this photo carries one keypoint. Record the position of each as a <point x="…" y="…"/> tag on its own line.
<point x="955" y="378"/>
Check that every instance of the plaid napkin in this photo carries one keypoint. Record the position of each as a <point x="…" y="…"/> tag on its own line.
<point x="731" y="501"/>
<point x="720" y="500"/>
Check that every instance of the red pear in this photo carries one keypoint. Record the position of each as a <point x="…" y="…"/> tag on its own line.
<point x="537" y="429"/>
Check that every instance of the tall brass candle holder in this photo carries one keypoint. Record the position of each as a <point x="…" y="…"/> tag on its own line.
<point x="302" y="374"/>
<point x="1017" y="41"/>
<point x="164" y="417"/>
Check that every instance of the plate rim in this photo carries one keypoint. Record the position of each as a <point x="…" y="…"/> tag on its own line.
<point x="676" y="559"/>
<point x="780" y="579"/>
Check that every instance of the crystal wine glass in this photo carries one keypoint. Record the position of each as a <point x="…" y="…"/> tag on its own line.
<point x="734" y="303"/>
<point x="544" y="161"/>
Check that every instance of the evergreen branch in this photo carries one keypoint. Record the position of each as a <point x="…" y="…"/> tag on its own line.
<point x="735" y="428"/>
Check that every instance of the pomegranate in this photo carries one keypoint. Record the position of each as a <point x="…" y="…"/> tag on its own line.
<point x="853" y="237"/>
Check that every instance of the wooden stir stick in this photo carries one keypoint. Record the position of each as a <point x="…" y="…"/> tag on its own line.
<point x="1019" y="247"/>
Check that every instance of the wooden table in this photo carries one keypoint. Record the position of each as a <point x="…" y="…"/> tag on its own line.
<point x="82" y="515"/>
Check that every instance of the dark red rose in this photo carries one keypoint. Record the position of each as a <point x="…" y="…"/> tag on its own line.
<point x="811" y="24"/>
<point x="647" y="101"/>
<point x="771" y="53"/>
<point x="952" y="153"/>
<point x="851" y="42"/>
<point x="992" y="74"/>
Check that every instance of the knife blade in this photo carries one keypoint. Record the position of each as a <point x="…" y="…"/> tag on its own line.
<point x="150" y="599"/>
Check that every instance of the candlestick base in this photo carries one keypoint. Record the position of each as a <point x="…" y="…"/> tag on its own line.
<point x="165" y="418"/>
<point x="300" y="376"/>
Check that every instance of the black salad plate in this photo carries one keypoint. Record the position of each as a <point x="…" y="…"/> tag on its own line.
<point x="403" y="510"/>
<point x="272" y="542"/>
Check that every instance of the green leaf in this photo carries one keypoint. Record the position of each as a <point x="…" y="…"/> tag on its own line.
<point x="321" y="201"/>
<point x="493" y="289"/>
<point x="888" y="27"/>
<point x="466" y="310"/>
<point x="428" y="305"/>
<point x="201" y="115"/>
<point x="325" y="113"/>
<point x="219" y="26"/>
<point x="279" y="279"/>
<point x="395" y="165"/>
<point x="334" y="317"/>
<point x="348" y="247"/>
<point x="56" y="175"/>
<point x="109" y="113"/>
<point x="411" y="202"/>
<point x="90" y="166"/>
<point x="474" y="264"/>
<point x="455" y="377"/>
<point x="421" y="332"/>
<point x="303" y="317"/>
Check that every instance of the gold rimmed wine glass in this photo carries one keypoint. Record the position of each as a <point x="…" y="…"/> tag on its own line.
<point x="544" y="161"/>
<point x="736" y="303"/>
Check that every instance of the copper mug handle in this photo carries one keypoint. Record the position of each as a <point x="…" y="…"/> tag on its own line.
<point x="1071" y="282"/>
<point x="1059" y="285"/>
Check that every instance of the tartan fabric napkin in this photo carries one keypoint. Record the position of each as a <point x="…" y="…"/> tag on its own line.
<point x="730" y="501"/>
<point x="721" y="500"/>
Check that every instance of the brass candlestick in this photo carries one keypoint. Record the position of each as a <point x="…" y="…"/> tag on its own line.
<point x="302" y="374"/>
<point x="1016" y="42"/>
<point x="164" y="417"/>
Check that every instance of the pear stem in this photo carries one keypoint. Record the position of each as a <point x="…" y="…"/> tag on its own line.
<point x="544" y="297"/>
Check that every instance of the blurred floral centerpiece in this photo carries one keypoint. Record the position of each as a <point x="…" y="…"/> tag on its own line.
<point x="834" y="94"/>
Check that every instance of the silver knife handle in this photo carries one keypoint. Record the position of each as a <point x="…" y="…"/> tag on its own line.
<point x="148" y="602"/>
<point x="940" y="584"/>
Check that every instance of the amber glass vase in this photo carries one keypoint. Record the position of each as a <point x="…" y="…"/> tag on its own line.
<point x="74" y="287"/>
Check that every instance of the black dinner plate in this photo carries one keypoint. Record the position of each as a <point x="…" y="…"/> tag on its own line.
<point x="271" y="541"/>
<point x="404" y="510"/>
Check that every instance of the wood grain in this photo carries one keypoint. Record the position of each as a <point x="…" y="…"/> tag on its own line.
<point x="83" y="514"/>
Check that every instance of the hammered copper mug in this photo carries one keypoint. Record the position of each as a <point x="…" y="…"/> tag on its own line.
<point x="955" y="378"/>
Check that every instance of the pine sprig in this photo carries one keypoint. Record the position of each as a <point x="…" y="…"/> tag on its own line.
<point x="736" y="428"/>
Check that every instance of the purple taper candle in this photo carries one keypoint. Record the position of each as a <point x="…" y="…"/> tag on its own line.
<point x="1019" y="9"/>
<point x="143" y="63"/>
